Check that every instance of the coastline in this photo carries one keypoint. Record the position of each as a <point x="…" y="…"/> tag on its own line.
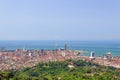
<point x="99" y="47"/>
<point x="18" y="59"/>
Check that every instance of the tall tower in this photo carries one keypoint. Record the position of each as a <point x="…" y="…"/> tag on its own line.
<point x="92" y="55"/>
<point x="65" y="47"/>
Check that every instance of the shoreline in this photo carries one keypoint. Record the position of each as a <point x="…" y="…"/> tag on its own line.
<point x="18" y="59"/>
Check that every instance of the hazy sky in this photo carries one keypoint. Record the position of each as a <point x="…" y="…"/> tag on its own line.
<point x="59" y="19"/>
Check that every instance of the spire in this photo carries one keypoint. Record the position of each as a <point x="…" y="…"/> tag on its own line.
<point x="65" y="47"/>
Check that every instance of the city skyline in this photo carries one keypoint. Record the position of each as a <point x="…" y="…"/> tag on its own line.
<point x="60" y="20"/>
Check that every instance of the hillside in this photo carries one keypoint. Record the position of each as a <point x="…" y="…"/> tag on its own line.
<point x="80" y="70"/>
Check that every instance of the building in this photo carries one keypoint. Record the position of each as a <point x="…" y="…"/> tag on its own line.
<point x="92" y="54"/>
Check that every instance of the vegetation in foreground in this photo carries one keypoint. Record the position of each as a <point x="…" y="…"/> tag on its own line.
<point x="60" y="71"/>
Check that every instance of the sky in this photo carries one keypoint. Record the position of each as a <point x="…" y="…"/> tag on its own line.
<point x="59" y="19"/>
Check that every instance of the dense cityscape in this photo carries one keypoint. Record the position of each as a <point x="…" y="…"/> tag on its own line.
<point x="19" y="59"/>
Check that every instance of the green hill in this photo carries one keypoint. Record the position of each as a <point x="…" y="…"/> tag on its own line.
<point x="60" y="71"/>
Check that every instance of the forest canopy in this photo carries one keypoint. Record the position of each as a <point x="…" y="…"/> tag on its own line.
<point x="60" y="70"/>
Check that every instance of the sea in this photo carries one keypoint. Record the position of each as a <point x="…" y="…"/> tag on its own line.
<point x="100" y="48"/>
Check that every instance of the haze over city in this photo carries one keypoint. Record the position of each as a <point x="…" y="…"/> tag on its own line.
<point x="59" y="20"/>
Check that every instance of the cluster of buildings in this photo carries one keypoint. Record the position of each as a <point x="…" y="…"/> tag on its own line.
<point x="106" y="60"/>
<point x="18" y="59"/>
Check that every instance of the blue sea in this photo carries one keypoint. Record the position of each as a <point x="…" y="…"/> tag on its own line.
<point x="99" y="47"/>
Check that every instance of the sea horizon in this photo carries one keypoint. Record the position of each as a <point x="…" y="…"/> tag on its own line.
<point x="99" y="47"/>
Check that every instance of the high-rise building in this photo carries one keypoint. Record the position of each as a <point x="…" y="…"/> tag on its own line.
<point x="92" y="54"/>
<point x="65" y="47"/>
